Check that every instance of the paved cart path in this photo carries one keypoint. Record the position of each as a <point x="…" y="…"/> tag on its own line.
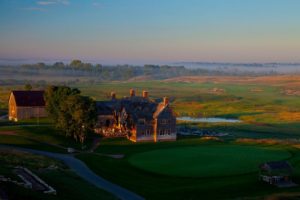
<point x="83" y="171"/>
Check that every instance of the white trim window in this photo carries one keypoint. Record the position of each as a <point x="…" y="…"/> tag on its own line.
<point x="166" y="132"/>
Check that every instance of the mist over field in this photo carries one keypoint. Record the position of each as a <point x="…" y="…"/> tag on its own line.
<point x="69" y="72"/>
<point x="280" y="68"/>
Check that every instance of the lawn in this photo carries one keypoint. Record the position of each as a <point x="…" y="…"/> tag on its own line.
<point x="207" y="160"/>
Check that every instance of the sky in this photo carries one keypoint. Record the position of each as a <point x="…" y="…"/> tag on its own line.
<point x="150" y="31"/>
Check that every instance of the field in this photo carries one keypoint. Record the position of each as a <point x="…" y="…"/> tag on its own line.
<point x="193" y="167"/>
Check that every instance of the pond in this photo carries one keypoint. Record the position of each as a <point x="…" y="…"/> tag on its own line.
<point x="208" y="120"/>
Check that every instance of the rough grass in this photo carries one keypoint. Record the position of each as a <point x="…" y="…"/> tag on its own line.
<point x="18" y="158"/>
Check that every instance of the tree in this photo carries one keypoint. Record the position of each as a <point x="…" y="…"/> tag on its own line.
<point x="54" y="95"/>
<point x="40" y="65"/>
<point x="79" y="116"/>
<point x="74" y="114"/>
<point x="28" y="87"/>
<point x="59" y="65"/>
<point x="76" y="63"/>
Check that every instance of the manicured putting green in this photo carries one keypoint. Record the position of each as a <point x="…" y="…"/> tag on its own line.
<point x="207" y="160"/>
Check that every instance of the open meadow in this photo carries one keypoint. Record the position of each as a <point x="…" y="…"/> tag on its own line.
<point x="193" y="167"/>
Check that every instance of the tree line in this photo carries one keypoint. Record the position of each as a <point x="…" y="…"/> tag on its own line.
<point x="117" y="72"/>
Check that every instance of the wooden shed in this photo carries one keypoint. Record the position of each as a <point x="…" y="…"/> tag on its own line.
<point x="277" y="173"/>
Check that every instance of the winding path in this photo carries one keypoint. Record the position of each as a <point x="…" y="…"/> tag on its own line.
<point x="83" y="171"/>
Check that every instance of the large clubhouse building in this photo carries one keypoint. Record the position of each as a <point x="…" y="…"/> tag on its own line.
<point x="141" y="118"/>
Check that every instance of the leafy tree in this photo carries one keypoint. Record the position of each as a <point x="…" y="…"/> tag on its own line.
<point x="76" y="63"/>
<point x="54" y="95"/>
<point x="59" y="65"/>
<point x="28" y="87"/>
<point x="40" y="65"/>
<point x="79" y="116"/>
<point x="75" y="114"/>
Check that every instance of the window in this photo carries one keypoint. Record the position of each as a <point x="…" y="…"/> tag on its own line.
<point x="163" y="121"/>
<point x="148" y="132"/>
<point x="166" y="132"/>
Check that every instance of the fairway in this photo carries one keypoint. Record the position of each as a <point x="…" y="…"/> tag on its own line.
<point x="207" y="160"/>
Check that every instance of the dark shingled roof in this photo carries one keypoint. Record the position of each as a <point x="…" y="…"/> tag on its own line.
<point x="105" y="107"/>
<point x="136" y="107"/>
<point x="29" y="98"/>
<point x="139" y="108"/>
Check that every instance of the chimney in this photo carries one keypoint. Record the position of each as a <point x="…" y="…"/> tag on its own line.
<point x="132" y="93"/>
<point x="113" y="95"/>
<point x="145" y="94"/>
<point x="166" y="101"/>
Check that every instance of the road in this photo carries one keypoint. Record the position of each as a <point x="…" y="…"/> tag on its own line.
<point x="84" y="172"/>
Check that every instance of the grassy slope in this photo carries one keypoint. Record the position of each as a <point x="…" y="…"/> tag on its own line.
<point x="66" y="185"/>
<point x="38" y="137"/>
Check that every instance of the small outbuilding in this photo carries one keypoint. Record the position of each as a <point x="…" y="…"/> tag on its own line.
<point x="277" y="173"/>
<point x="26" y="105"/>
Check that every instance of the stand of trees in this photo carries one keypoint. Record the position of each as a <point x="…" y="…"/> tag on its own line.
<point x="71" y="112"/>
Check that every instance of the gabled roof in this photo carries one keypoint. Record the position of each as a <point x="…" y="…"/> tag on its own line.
<point x="139" y="109"/>
<point x="159" y="109"/>
<point x="29" y="98"/>
<point x="136" y="107"/>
